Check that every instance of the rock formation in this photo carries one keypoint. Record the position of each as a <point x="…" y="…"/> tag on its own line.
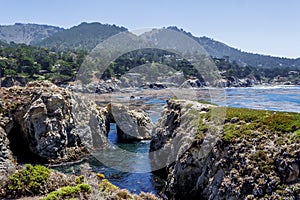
<point x="49" y="123"/>
<point x="260" y="162"/>
<point x="7" y="164"/>
<point x="131" y="124"/>
<point x="43" y="123"/>
<point x="99" y="87"/>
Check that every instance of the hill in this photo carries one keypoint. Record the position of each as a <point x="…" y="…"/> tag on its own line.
<point x="26" y="33"/>
<point x="219" y="50"/>
<point x="85" y="36"/>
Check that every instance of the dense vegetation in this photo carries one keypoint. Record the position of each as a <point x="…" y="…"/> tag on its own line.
<point x="85" y="36"/>
<point x="145" y="56"/>
<point x="244" y="122"/>
<point x="218" y="49"/>
<point x="33" y="63"/>
<point x="30" y="180"/>
<point x="231" y="69"/>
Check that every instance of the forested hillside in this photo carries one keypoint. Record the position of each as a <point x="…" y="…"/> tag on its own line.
<point x="85" y="36"/>
<point x="33" y="63"/>
<point x="221" y="50"/>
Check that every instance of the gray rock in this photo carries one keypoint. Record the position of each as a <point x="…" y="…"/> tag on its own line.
<point x="7" y="162"/>
<point x="56" y="124"/>
<point x="131" y="124"/>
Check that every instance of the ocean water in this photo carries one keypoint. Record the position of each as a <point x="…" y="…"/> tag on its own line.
<point x="134" y="182"/>
<point x="279" y="98"/>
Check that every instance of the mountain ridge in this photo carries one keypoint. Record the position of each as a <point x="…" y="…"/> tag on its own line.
<point x="86" y="36"/>
<point x="28" y="33"/>
<point x="220" y="49"/>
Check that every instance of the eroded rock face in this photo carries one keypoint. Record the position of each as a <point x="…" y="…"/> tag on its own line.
<point x="260" y="164"/>
<point x="176" y="131"/>
<point x="56" y="125"/>
<point x="7" y="162"/>
<point x="131" y="124"/>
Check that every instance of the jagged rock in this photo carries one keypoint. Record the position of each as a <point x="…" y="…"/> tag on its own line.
<point x="192" y="83"/>
<point x="234" y="120"/>
<point x="131" y="124"/>
<point x="258" y="165"/>
<point x="99" y="87"/>
<point x="54" y="124"/>
<point x="175" y="132"/>
<point x="7" y="162"/>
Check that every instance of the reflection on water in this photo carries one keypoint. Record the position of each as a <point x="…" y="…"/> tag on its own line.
<point x="280" y="98"/>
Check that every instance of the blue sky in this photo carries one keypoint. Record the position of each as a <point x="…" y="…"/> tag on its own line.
<point x="270" y="27"/>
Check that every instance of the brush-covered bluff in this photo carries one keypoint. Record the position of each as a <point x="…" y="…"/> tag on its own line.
<point x="232" y="153"/>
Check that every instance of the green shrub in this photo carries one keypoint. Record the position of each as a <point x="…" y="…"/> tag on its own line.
<point x="106" y="186"/>
<point x="124" y="194"/>
<point x="27" y="181"/>
<point x="79" y="179"/>
<point x="68" y="192"/>
<point x="296" y="135"/>
<point x="264" y="163"/>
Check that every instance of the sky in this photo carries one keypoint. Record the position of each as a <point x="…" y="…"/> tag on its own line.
<point x="270" y="27"/>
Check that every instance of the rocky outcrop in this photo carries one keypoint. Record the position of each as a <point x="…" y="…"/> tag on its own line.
<point x="233" y="81"/>
<point x="99" y="87"/>
<point x="43" y="123"/>
<point x="51" y="123"/>
<point x="260" y="162"/>
<point x="175" y="132"/>
<point x="131" y="124"/>
<point x="194" y="83"/>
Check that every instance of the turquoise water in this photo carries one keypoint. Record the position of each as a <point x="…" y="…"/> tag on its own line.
<point x="134" y="182"/>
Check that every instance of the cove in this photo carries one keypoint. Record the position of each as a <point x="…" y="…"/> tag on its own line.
<point x="134" y="182"/>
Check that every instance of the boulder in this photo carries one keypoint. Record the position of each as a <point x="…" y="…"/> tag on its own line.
<point x="131" y="124"/>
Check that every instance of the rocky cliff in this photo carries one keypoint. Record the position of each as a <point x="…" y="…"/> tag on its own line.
<point x="245" y="154"/>
<point x="44" y="123"/>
